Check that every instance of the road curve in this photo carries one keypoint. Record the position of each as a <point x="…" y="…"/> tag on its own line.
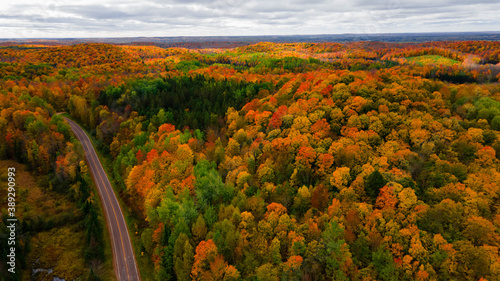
<point x="123" y="253"/>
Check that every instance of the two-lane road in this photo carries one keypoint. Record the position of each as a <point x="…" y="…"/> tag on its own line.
<point x="123" y="254"/>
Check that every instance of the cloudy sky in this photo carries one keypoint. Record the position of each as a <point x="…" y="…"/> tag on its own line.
<point x="131" y="18"/>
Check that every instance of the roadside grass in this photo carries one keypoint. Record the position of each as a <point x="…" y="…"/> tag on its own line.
<point x="143" y="262"/>
<point x="432" y="60"/>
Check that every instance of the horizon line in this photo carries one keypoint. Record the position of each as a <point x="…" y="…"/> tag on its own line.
<point x="252" y="36"/>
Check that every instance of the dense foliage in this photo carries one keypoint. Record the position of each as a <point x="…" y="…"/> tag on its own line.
<point x="183" y="100"/>
<point x="60" y="203"/>
<point x="358" y="161"/>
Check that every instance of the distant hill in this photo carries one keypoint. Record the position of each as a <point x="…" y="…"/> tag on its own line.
<point x="235" y="41"/>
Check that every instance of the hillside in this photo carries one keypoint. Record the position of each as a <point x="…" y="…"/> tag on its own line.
<point x="276" y="161"/>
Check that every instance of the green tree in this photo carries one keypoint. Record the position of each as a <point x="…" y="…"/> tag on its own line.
<point x="495" y="123"/>
<point x="226" y="238"/>
<point x="183" y="257"/>
<point x="373" y="183"/>
<point x="209" y="186"/>
<point x="336" y="251"/>
<point x="199" y="229"/>
<point x="384" y="264"/>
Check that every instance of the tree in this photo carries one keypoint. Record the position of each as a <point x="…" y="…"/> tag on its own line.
<point x="341" y="177"/>
<point x="209" y="186"/>
<point x="206" y="252"/>
<point x="209" y="265"/>
<point x="183" y="257"/>
<point x="480" y="231"/>
<point x="320" y="197"/>
<point x="384" y="264"/>
<point x="303" y="200"/>
<point x="445" y="218"/>
<point x="267" y="272"/>
<point x="373" y="183"/>
<point x="291" y="268"/>
<point x="199" y="229"/>
<point x="225" y="237"/>
<point x="336" y="253"/>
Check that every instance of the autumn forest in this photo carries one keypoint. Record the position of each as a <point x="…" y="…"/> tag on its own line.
<point x="270" y="161"/>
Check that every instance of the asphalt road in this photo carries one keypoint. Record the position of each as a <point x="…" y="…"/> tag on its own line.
<point x="123" y="254"/>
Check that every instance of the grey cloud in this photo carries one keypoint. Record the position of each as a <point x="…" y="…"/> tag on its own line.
<point x="98" y="12"/>
<point x="242" y="17"/>
<point x="401" y="4"/>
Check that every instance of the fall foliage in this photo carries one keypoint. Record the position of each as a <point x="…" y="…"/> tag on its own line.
<point x="290" y="161"/>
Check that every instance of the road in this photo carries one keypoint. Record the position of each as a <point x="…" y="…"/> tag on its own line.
<point x="123" y="253"/>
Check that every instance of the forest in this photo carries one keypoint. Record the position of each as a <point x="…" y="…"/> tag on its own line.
<point x="270" y="161"/>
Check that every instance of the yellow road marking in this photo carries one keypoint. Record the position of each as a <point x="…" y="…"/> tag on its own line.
<point x="114" y="213"/>
<point x="93" y="155"/>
